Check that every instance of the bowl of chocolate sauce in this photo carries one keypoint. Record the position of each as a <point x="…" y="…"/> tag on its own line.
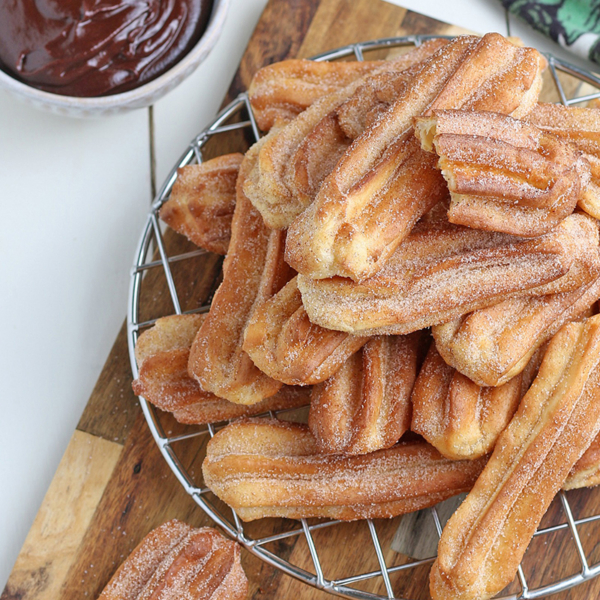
<point x="99" y="57"/>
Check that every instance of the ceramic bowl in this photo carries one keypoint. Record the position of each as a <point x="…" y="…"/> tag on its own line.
<point x="144" y="95"/>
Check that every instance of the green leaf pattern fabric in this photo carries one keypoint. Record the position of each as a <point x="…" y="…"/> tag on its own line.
<point x="574" y="24"/>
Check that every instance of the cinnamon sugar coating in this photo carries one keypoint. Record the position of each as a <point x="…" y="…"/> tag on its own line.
<point x="580" y="127"/>
<point x="269" y="468"/>
<point x="202" y="201"/>
<point x="177" y="561"/>
<point x="504" y="174"/>
<point x="484" y="541"/>
<point x="252" y="272"/>
<point x="458" y="417"/>
<point x="384" y="182"/>
<point x="586" y="471"/>
<point x="494" y="344"/>
<point x="442" y="271"/>
<point x="366" y="406"/>
<point x="285" y="345"/>
<point x="162" y="355"/>
<point x="321" y="149"/>
<point x="281" y="91"/>
<point x="270" y="184"/>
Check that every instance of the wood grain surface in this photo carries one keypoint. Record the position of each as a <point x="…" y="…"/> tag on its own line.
<point x="113" y="486"/>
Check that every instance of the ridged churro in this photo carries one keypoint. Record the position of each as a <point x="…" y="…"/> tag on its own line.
<point x="493" y="344"/>
<point x="440" y="272"/>
<point x="270" y="185"/>
<point x="366" y="406"/>
<point x="177" y="561"/>
<point x="458" y="417"/>
<point x="504" y="174"/>
<point x="285" y="345"/>
<point x="270" y="468"/>
<point x="162" y="355"/>
<point x="281" y="91"/>
<point x="253" y="271"/>
<point x="384" y="182"/>
<point x="202" y="201"/>
<point x="579" y="126"/>
<point x="484" y="541"/>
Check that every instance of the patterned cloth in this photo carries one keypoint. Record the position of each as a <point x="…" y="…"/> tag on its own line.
<point x="574" y="24"/>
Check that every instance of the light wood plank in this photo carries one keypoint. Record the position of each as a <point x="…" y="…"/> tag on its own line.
<point x="64" y="518"/>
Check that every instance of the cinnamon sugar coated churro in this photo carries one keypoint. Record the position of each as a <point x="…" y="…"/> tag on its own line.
<point x="162" y="354"/>
<point x="178" y="561"/>
<point x="431" y="190"/>
<point x="366" y="405"/>
<point x="269" y="468"/>
<point x="202" y="201"/>
<point x="484" y="541"/>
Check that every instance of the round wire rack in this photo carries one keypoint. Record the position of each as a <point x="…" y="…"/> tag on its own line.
<point x="561" y="530"/>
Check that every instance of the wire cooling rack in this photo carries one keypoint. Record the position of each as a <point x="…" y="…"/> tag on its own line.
<point x="570" y="86"/>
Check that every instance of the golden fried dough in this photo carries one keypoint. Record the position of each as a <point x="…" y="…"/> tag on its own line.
<point x="270" y="468"/>
<point x="281" y="91"/>
<point x="586" y="471"/>
<point x="504" y="174"/>
<point x="162" y="355"/>
<point x="177" y="561"/>
<point x="484" y="541"/>
<point x="384" y="182"/>
<point x="458" y="417"/>
<point x="285" y="345"/>
<point x="365" y="406"/>
<point x="492" y="345"/>
<point x="321" y="149"/>
<point x="202" y="201"/>
<point x="253" y="271"/>
<point x="581" y="127"/>
<point x="438" y="273"/>
<point x="270" y="184"/>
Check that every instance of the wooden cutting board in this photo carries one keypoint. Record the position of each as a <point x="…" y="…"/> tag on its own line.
<point x="113" y="486"/>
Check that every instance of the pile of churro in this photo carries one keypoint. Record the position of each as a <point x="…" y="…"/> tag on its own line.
<point x="412" y="249"/>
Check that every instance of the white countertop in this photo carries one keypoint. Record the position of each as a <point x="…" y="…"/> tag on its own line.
<point x="75" y="194"/>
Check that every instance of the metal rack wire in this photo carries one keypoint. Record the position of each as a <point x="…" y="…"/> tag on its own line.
<point x="151" y="242"/>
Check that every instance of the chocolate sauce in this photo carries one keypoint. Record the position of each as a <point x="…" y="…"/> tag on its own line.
<point x="96" y="47"/>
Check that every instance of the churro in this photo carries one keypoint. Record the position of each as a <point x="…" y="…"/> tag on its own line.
<point x="440" y="272"/>
<point x="384" y="182"/>
<point x="484" y="541"/>
<point x="177" y="561"/>
<point x="253" y="270"/>
<point x="285" y="345"/>
<point x="270" y="468"/>
<point x="366" y="406"/>
<point x="202" y="201"/>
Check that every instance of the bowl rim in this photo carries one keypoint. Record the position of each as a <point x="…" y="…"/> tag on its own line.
<point x="187" y="63"/>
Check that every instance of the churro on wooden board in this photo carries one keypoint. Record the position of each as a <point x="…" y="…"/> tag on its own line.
<point x="269" y="468"/>
<point x="177" y="561"/>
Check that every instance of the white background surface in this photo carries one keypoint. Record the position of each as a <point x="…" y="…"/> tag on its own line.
<point x="74" y="197"/>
